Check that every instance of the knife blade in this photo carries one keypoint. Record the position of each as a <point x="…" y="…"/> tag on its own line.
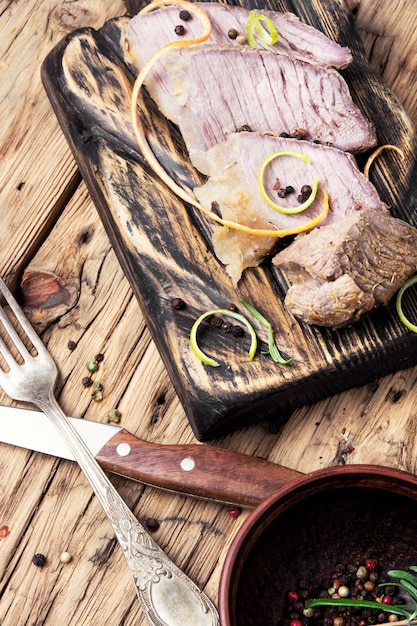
<point x="198" y="470"/>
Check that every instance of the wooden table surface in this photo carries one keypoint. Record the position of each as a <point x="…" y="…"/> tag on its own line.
<point x="50" y="235"/>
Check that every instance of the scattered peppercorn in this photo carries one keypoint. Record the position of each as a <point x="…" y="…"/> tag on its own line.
<point x="305" y="193"/>
<point x="226" y="327"/>
<point x="179" y="30"/>
<point x="241" y="40"/>
<point x="72" y="345"/>
<point x="231" y="307"/>
<point x="237" y="331"/>
<point x="152" y="524"/>
<point x="92" y="366"/>
<point x="234" y="511"/>
<point x="97" y="395"/>
<point x="99" y="358"/>
<point x="185" y="15"/>
<point x="114" y="416"/>
<point x="306" y="190"/>
<point x="216" y="322"/>
<point x="300" y="133"/>
<point x="65" y="557"/>
<point x="244" y="129"/>
<point x="4" y="532"/>
<point x="232" y="33"/>
<point x="178" y="304"/>
<point x="39" y="560"/>
<point x="86" y="381"/>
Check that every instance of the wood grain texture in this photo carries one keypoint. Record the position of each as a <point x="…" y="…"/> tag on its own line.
<point x="46" y="503"/>
<point x="165" y="249"/>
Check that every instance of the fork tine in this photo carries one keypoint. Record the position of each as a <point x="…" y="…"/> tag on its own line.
<point x="27" y="327"/>
<point x="11" y="331"/>
<point x="7" y="356"/>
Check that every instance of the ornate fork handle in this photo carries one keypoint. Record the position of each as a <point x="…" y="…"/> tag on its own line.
<point x="167" y="595"/>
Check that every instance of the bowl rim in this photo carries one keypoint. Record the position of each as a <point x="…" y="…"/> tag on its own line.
<point x="368" y="476"/>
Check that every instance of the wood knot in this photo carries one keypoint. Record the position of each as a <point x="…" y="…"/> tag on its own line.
<point x="45" y="297"/>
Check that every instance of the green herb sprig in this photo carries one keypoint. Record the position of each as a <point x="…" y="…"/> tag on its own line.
<point x="405" y="581"/>
<point x="272" y="346"/>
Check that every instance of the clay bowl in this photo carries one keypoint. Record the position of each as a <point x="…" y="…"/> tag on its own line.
<point x="336" y="515"/>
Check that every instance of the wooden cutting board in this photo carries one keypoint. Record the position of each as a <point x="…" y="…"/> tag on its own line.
<point x="164" y="246"/>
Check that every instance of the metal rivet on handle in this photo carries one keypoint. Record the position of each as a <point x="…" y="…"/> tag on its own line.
<point x="187" y="464"/>
<point x="123" y="449"/>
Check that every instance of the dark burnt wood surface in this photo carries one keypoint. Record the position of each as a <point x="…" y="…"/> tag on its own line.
<point x="164" y="246"/>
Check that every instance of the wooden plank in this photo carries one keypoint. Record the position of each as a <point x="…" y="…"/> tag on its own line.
<point x="30" y="196"/>
<point x="163" y="246"/>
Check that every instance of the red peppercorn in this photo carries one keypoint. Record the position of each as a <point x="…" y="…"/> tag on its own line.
<point x="293" y="596"/>
<point x="235" y="511"/>
<point x="371" y="564"/>
<point x="387" y="600"/>
<point x="296" y="622"/>
<point x="4" y="531"/>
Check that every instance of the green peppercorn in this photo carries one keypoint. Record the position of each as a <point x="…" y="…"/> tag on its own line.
<point x="92" y="366"/>
<point x="97" y="395"/>
<point x="114" y="416"/>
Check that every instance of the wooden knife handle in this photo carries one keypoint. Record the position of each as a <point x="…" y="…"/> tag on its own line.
<point x="200" y="470"/>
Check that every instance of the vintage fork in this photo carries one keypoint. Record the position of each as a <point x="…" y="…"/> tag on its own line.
<point x="167" y="595"/>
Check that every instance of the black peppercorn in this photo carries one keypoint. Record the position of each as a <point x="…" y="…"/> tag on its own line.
<point x="152" y="524"/>
<point x="216" y="322"/>
<point x="99" y="358"/>
<point x="39" y="560"/>
<point x="86" y="381"/>
<point x="226" y="327"/>
<point x="178" y="304"/>
<point x="179" y="30"/>
<point x="237" y="331"/>
<point x="232" y="33"/>
<point x="185" y="15"/>
<point x="72" y="345"/>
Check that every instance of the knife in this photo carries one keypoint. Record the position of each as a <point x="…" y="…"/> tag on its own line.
<point x="197" y="470"/>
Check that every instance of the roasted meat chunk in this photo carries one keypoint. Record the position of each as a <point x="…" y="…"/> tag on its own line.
<point x="345" y="269"/>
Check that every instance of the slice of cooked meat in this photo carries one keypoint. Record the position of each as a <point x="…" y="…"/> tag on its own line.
<point x="149" y="32"/>
<point x="233" y="186"/>
<point x="341" y="271"/>
<point x="212" y="91"/>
